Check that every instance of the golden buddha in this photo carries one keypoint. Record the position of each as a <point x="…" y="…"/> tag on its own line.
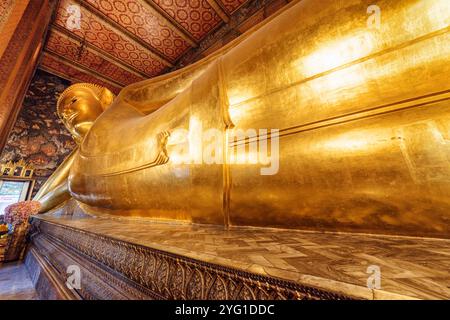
<point x="78" y="107"/>
<point x="362" y="112"/>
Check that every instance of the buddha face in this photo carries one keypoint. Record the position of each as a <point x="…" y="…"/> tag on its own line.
<point x="79" y="110"/>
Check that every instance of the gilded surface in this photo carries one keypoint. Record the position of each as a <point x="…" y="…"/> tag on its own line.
<point x="362" y="112"/>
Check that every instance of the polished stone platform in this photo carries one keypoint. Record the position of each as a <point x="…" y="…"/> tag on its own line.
<point x="333" y="263"/>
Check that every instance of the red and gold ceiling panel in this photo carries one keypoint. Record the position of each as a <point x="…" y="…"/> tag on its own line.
<point x="105" y="37"/>
<point x="140" y="19"/>
<point x="72" y="73"/>
<point x="120" y="42"/>
<point x="196" y="16"/>
<point x="69" y="48"/>
<point x="232" y="5"/>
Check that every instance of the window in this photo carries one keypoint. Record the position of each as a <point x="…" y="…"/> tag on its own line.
<point x="12" y="191"/>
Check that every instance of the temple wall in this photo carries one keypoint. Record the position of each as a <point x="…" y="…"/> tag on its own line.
<point x="38" y="136"/>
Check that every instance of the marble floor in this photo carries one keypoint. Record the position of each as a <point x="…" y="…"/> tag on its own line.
<point x="410" y="267"/>
<point x="15" y="283"/>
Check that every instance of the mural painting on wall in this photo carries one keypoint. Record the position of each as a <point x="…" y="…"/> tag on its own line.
<point x="38" y="136"/>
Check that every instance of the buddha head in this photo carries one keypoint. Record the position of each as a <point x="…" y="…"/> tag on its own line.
<point x="80" y="105"/>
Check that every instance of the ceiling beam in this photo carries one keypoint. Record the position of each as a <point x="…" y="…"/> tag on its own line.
<point x="96" y="53"/>
<point x="71" y="79"/>
<point x="153" y="52"/>
<point x="172" y="22"/>
<point x="219" y="10"/>
<point x="56" y="73"/>
<point x="100" y="52"/>
<point x="83" y="69"/>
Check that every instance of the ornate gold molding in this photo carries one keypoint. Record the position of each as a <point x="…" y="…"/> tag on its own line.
<point x="19" y="169"/>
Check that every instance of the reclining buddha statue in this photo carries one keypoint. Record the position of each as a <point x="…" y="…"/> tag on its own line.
<point x="323" y="117"/>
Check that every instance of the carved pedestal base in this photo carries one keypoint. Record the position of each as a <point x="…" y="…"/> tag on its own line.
<point x="115" y="269"/>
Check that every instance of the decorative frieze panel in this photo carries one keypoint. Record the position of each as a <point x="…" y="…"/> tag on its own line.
<point x="38" y="136"/>
<point x="114" y="269"/>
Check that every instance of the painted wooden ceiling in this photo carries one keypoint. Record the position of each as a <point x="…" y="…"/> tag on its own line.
<point x="118" y="42"/>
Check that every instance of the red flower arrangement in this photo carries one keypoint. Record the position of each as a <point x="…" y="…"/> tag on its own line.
<point x="19" y="212"/>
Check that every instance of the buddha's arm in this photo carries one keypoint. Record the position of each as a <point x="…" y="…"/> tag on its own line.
<point x="148" y="96"/>
<point x="58" y="177"/>
<point x="55" y="197"/>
